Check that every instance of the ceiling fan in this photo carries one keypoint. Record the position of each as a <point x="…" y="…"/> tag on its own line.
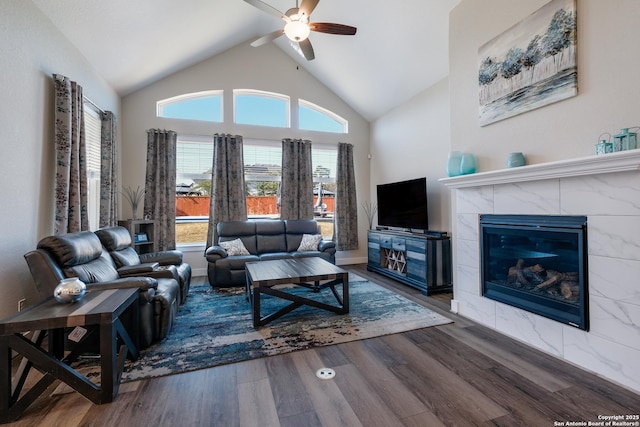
<point x="297" y="26"/>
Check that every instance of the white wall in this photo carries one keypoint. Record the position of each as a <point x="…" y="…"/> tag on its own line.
<point x="243" y="67"/>
<point x="413" y="141"/>
<point x="32" y="49"/>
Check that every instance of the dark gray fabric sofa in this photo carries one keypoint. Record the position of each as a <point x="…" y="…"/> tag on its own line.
<point x="264" y="240"/>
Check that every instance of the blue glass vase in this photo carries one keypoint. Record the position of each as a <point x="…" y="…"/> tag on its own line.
<point x="468" y="164"/>
<point x="515" y="159"/>
<point x="454" y="163"/>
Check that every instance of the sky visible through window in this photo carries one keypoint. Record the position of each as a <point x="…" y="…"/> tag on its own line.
<point x="311" y="119"/>
<point x="252" y="109"/>
<point x="207" y="109"/>
<point x="261" y="110"/>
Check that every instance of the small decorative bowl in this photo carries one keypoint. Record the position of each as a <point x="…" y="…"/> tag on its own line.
<point x="69" y="290"/>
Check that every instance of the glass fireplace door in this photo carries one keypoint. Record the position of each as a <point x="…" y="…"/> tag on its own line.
<point x="537" y="263"/>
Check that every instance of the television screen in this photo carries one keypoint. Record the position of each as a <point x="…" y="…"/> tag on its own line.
<point x="403" y="204"/>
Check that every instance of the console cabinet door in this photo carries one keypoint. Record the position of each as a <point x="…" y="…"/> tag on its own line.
<point x="373" y="252"/>
<point x="417" y="259"/>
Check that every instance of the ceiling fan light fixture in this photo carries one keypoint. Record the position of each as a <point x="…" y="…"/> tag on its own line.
<point x="297" y="31"/>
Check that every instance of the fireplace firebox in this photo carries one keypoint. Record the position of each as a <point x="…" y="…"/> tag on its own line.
<point x="537" y="263"/>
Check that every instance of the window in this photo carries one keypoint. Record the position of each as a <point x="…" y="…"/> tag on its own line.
<point x="204" y="106"/>
<point x="263" y="158"/>
<point x="314" y="117"/>
<point x="263" y="172"/>
<point x="252" y="107"/>
<point x="93" y="136"/>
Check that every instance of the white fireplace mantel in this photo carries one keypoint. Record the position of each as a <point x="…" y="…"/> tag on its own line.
<point x="593" y="165"/>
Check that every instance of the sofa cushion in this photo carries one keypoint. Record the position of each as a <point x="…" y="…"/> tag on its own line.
<point x="98" y="270"/>
<point x="275" y="255"/>
<point x="72" y="249"/>
<point x="126" y="256"/>
<point x="245" y="230"/>
<point x="235" y="263"/>
<point x="296" y="228"/>
<point x="117" y="241"/>
<point x="309" y="254"/>
<point x="309" y="242"/>
<point x="234" y="247"/>
<point x="114" y="238"/>
<point x="270" y="237"/>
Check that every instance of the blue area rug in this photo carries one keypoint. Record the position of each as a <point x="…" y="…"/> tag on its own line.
<point x="215" y="327"/>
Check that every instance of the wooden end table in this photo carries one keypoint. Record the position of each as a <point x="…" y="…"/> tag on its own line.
<point x="306" y="272"/>
<point x="100" y="309"/>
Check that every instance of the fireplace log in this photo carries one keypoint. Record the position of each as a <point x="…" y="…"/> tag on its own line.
<point x="569" y="290"/>
<point x="516" y="274"/>
<point x="519" y="273"/>
<point x="556" y="277"/>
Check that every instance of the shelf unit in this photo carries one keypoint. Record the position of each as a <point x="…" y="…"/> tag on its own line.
<point x="394" y="260"/>
<point x="418" y="260"/>
<point x="140" y="227"/>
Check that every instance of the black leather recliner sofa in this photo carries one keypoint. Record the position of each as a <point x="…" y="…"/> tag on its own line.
<point x="263" y="240"/>
<point x="82" y="255"/>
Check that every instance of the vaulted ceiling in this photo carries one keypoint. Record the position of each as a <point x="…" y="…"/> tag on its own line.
<point x="400" y="49"/>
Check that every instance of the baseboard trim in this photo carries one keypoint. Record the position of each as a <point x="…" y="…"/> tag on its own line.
<point x="198" y="272"/>
<point x="349" y="261"/>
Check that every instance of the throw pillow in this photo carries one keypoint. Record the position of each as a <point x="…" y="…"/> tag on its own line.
<point x="309" y="242"/>
<point x="234" y="247"/>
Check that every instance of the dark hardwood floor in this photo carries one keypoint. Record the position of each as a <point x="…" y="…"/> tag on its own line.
<point x="460" y="374"/>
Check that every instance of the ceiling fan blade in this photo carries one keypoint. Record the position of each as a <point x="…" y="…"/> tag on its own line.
<point x="269" y="9"/>
<point x="307" y="49"/>
<point x="267" y="38"/>
<point x="307" y="6"/>
<point x="331" y="28"/>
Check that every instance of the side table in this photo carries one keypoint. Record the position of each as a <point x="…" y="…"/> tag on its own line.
<point x="101" y="309"/>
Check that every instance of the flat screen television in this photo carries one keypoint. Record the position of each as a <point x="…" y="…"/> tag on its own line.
<point x="403" y="204"/>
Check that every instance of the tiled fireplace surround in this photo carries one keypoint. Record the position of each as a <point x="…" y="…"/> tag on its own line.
<point x="607" y="190"/>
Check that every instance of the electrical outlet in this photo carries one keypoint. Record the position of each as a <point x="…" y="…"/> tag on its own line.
<point x="21" y="304"/>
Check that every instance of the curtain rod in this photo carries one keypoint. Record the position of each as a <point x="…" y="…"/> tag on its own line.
<point x="87" y="100"/>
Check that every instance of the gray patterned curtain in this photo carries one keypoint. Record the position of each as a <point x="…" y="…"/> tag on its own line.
<point x="71" y="199"/>
<point x="160" y="186"/>
<point x="296" y="191"/>
<point x="108" y="171"/>
<point x="228" y="202"/>
<point x="346" y="209"/>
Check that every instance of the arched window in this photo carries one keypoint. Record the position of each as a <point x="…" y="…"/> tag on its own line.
<point x="314" y="117"/>
<point x="204" y="106"/>
<point x="255" y="107"/>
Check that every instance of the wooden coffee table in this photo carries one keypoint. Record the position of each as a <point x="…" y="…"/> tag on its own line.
<point x="262" y="276"/>
<point x="100" y="309"/>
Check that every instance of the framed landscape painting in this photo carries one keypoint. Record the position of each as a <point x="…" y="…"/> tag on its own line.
<point x="530" y="65"/>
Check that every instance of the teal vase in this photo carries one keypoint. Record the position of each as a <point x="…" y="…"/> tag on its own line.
<point x="454" y="163"/>
<point x="515" y="159"/>
<point x="468" y="164"/>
